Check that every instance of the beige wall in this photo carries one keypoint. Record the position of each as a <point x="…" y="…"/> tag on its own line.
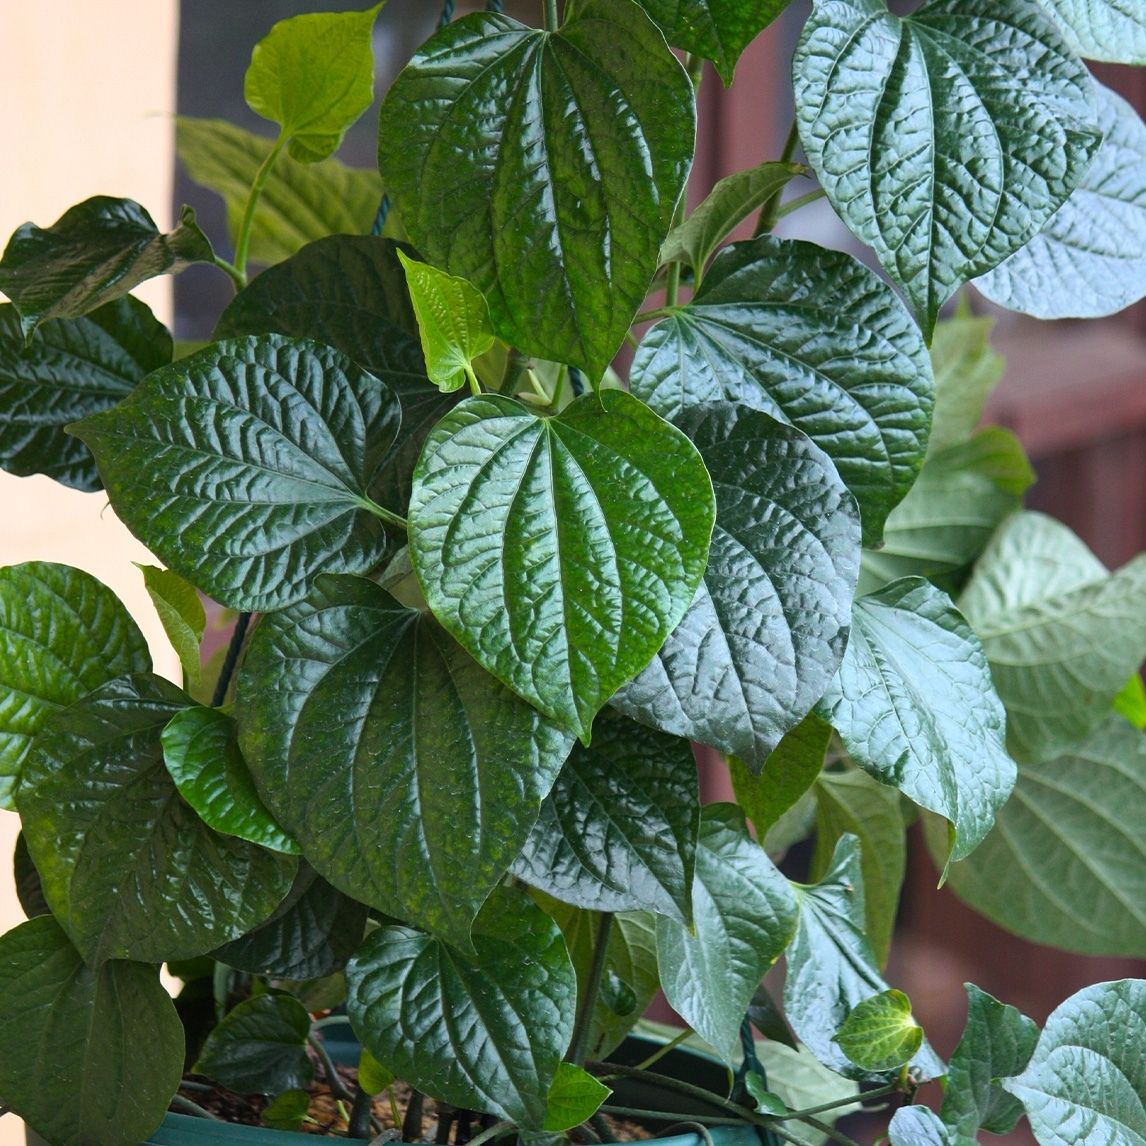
<point x="89" y="91"/>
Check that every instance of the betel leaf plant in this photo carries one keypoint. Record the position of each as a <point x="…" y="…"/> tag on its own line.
<point x="489" y="591"/>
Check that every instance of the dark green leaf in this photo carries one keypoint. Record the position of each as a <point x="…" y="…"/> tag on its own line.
<point x="997" y="1041"/>
<point x="251" y="466"/>
<point x="768" y="1019"/>
<point x="72" y="1041"/>
<point x="574" y="1097"/>
<point x="201" y="751"/>
<point x="410" y="776"/>
<point x="591" y="541"/>
<point x="486" y="1033"/>
<point x="64" y="634"/>
<point x="914" y="705"/>
<point x="880" y="1033"/>
<point x="544" y="167"/>
<point x="729" y="203"/>
<point x="312" y="933"/>
<point x="851" y="802"/>
<point x="917" y="1126"/>
<point x="765" y="633"/>
<point x="744" y="914"/>
<point x="1090" y="259"/>
<point x="129" y="870"/>
<point x="946" y="139"/>
<point x="182" y="615"/>
<point x="1086" y="1081"/>
<point x="313" y="75"/>
<point x="967" y="370"/>
<point x="29" y="889"/>
<point x="811" y="337"/>
<point x="618" y="831"/>
<point x="299" y="202"/>
<point x="1113" y="30"/>
<point x="831" y="966"/>
<point x="259" y="1047"/>
<point x="766" y="1101"/>
<point x="1061" y="633"/>
<point x="718" y="30"/>
<point x="1066" y="862"/>
<point x="93" y="254"/>
<point x="71" y="368"/>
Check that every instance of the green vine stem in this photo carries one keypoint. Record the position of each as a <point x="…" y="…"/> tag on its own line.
<point x="237" y="276"/>
<point x="497" y="1130"/>
<point x="333" y="1079"/>
<point x="770" y="212"/>
<point x="243" y="240"/>
<point x="579" y="1044"/>
<point x="660" y="1052"/>
<point x="802" y="201"/>
<point x="552" y="22"/>
<point x="183" y="1105"/>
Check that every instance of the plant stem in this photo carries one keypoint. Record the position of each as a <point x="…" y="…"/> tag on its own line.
<point x="243" y="240"/>
<point x="670" y="1083"/>
<point x="494" y="1131"/>
<point x="237" y="276"/>
<point x="851" y="1100"/>
<point x="770" y="212"/>
<point x="802" y="201"/>
<point x="579" y="1044"/>
<point x="231" y="660"/>
<point x="535" y="385"/>
<point x="660" y="1053"/>
<point x="475" y="385"/>
<point x="829" y="1131"/>
<point x="186" y="1106"/>
<point x="359" y="1124"/>
<point x="387" y="515"/>
<point x="333" y="1079"/>
<point x="552" y="23"/>
<point x="669" y="1116"/>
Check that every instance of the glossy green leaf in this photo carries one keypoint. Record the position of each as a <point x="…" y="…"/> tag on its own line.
<point x="574" y="1097"/>
<point x="29" y="888"/>
<point x="914" y="706"/>
<point x="831" y="966"/>
<point x="93" y="254"/>
<point x="373" y="1077"/>
<point x="71" y="368"/>
<point x="64" y="634"/>
<point x="591" y="542"/>
<point x="299" y="202"/>
<point x="313" y="75"/>
<point x="129" y="870"/>
<point x="811" y="337"/>
<point x="852" y="802"/>
<point x="618" y="830"/>
<point x="1061" y="633"/>
<point x="787" y="774"/>
<point x="962" y="495"/>
<point x="410" y="776"/>
<point x="1086" y="1081"/>
<point x="1131" y="702"/>
<point x="259" y="1047"/>
<point x="766" y="632"/>
<point x="945" y="140"/>
<point x="917" y="1126"/>
<point x="880" y="1033"/>
<point x="249" y="467"/>
<point x="629" y="981"/>
<point x="766" y="1101"/>
<point x="453" y="321"/>
<point x="765" y="1015"/>
<point x="967" y="369"/>
<point x="201" y="751"/>
<point x="997" y="1041"/>
<point x="728" y="204"/>
<point x="1090" y="259"/>
<point x="350" y="291"/>
<point x="181" y="613"/>
<point x="1066" y="862"/>
<point x="71" y="1039"/>
<point x="744" y="914"/>
<point x="1113" y="30"/>
<point x="544" y="167"/>
<point x="312" y="933"/>
<point x="484" y="1034"/>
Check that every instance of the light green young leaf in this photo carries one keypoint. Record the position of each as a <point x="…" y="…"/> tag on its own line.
<point x="453" y="321"/>
<point x="181" y="613"/>
<point x="945" y="139"/>
<point x="574" y="1097"/>
<point x="967" y="369"/>
<point x="1131" y="702"/>
<point x="880" y="1033"/>
<point x="373" y="1077"/>
<point x="1112" y="30"/>
<point x="313" y="75"/>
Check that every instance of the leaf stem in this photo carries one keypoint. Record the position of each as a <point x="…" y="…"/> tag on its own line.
<point x="475" y="385"/>
<point x="238" y="635"/>
<point x="243" y="240"/>
<point x="536" y="386"/>
<point x="185" y="1106"/>
<point x="802" y="201"/>
<point x="579" y="1044"/>
<point x="770" y="212"/>
<point x="333" y="1079"/>
<point x="660" y="1052"/>
<point x="669" y="1116"/>
<point x="552" y="23"/>
<point x="851" y="1100"/>
<point x="237" y="276"/>
<point x="492" y="1132"/>
<point x="387" y="515"/>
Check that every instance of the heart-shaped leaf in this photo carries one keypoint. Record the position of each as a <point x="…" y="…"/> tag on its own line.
<point x="201" y="751"/>
<point x="1113" y="30"/>
<point x="72" y="368"/>
<point x="767" y="629"/>
<point x="967" y="369"/>
<point x="1061" y="633"/>
<point x="744" y="914"/>
<point x="1086" y="1081"/>
<point x="250" y="467"/>
<point x="574" y="1097"/>
<point x="408" y="774"/>
<point x="71" y="1039"/>
<point x="313" y="75"/>
<point x="93" y="254"/>
<point x="946" y="139"/>
<point x="917" y="1126"/>
<point x="618" y="831"/>
<point x="880" y="1033"/>
<point x="544" y="167"/>
<point x="811" y="337"/>
<point x="591" y="540"/>
<point x="182" y="615"/>
<point x="1090" y="259"/>
<point x="484" y="1034"/>
<point x="299" y="202"/>
<point x="64" y="634"/>
<point x="831" y="967"/>
<point x="1066" y="861"/>
<point x="128" y="868"/>
<point x="914" y="705"/>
